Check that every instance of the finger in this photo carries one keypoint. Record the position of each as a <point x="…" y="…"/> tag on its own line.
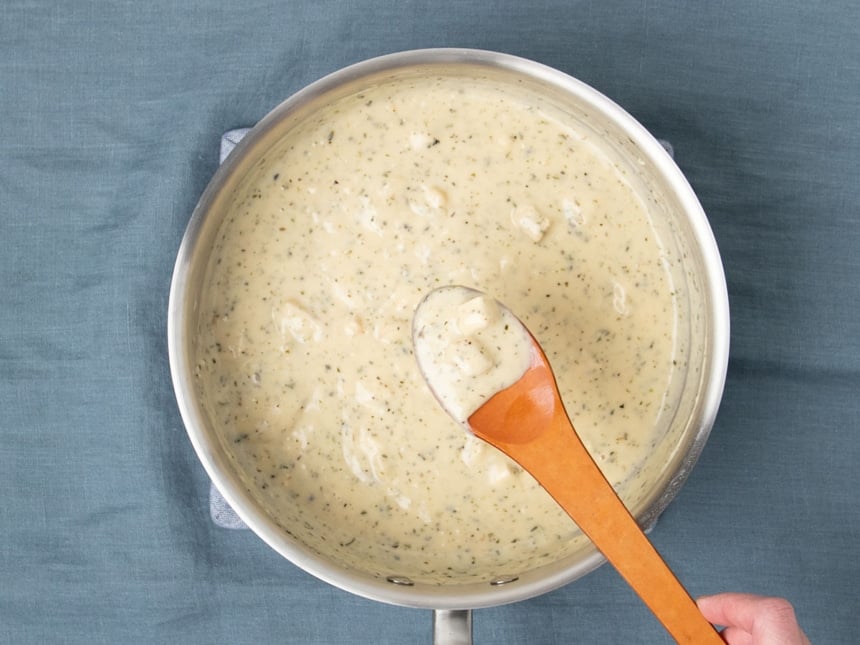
<point x="759" y="616"/>
<point x="735" y="609"/>
<point x="736" y="636"/>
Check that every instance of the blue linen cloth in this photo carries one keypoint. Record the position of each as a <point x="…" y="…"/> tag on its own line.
<point x="111" y="114"/>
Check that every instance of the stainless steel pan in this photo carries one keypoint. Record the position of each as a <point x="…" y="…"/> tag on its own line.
<point x="703" y="324"/>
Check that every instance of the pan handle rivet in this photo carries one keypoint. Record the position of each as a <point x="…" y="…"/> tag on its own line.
<point x="503" y="580"/>
<point x="403" y="581"/>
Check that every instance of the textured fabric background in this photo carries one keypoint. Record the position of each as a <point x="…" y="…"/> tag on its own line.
<point x="110" y="119"/>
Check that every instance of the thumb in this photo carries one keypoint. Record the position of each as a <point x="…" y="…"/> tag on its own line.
<point x="759" y="616"/>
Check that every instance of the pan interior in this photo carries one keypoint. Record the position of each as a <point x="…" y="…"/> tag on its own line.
<point x="313" y="415"/>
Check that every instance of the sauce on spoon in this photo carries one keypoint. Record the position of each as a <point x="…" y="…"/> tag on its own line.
<point x="490" y="374"/>
<point x="470" y="346"/>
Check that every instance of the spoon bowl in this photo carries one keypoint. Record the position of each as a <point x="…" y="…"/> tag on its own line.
<point x="525" y="418"/>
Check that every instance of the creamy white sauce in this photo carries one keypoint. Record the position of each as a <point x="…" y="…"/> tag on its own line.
<point x="468" y="347"/>
<point x="305" y="358"/>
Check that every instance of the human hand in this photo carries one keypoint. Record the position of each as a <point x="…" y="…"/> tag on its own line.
<point x="753" y="620"/>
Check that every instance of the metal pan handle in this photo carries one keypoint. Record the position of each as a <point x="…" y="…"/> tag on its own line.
<point x="452" y="627"/>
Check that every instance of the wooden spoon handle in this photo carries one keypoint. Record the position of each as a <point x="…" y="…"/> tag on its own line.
<point x="560" y="462"/>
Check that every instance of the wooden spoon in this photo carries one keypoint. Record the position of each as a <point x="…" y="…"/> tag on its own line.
<point x="528" y="422"/>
